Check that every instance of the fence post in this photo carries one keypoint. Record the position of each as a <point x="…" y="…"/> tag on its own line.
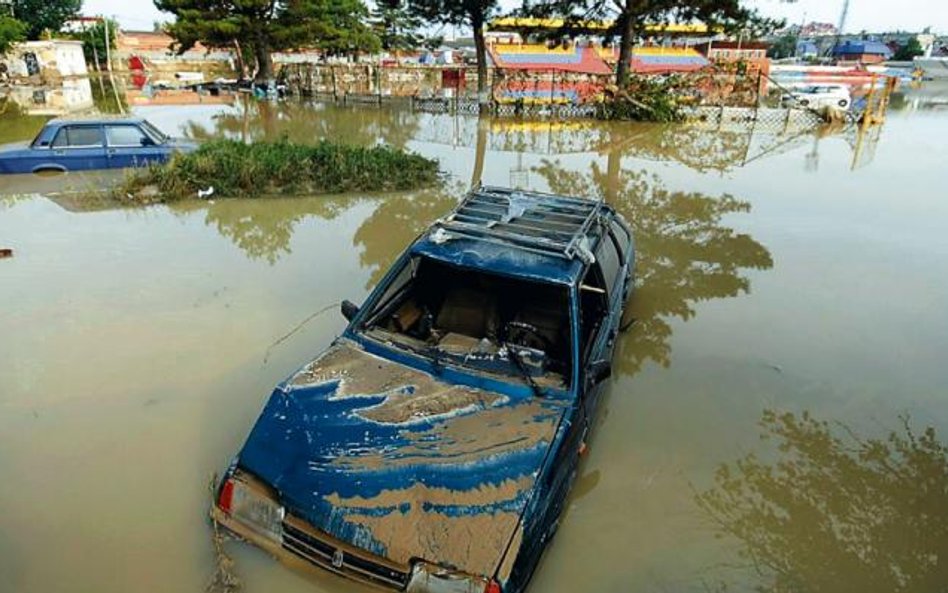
<point x="552" y="90"/>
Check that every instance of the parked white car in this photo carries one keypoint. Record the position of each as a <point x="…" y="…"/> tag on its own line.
<point x="819" y="95"/>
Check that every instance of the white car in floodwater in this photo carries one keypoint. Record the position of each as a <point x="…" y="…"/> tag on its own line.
<point x="819" y="95"/>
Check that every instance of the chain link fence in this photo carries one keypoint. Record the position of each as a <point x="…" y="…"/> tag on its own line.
<point x="723" y="93"/>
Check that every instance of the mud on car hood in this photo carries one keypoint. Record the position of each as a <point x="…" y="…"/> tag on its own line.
<point x="399" y="463"/>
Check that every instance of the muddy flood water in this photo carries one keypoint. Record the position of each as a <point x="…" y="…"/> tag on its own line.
<point x="765" y="425"/>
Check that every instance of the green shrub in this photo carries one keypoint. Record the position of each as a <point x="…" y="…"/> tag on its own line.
<point x="265" y="168"/>
<point x="646" y="98"/>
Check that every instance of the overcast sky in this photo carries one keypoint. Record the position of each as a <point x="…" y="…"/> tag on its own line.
<point x="871" y="15"/>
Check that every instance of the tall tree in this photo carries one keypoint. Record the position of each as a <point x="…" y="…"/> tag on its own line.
<point x="464" y="13"/>
<point x="93" y="41"/>
<point x="396" y="25"/>
<point x="42" y="15"/>
<point x="11" y="31"/>
<point x="909" y="51"/>
<point x="265" y="26"/>
<point x="629" y="19"/>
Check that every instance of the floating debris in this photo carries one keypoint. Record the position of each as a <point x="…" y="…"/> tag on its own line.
<point x="4" y="253"/>
<point x="224" y="579"/>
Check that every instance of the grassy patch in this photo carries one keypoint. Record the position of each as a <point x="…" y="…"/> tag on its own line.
<point x="267" y="168"/>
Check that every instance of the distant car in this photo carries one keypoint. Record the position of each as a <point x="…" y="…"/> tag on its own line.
<point x="819" y="95"/>
<point x="76" y="145"/>
<point x="431" y="447"/>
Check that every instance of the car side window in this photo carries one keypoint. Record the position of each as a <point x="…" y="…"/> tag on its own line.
<point x="621" y="237"/>
<point x="608" y="258"/>
<point x="78" y="137"/>
<point x="125" y="136"/>
<point x="593" y="306"/>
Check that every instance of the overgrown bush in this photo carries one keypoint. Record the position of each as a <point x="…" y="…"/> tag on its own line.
<point x="644" y="99"/>
<point x="264" y="168"/>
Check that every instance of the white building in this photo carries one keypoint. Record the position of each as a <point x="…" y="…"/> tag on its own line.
<point x="52" y="59"/>
<point x="79" y="24"/>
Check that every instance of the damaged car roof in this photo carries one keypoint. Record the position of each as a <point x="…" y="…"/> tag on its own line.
<point x="527" y="234"/>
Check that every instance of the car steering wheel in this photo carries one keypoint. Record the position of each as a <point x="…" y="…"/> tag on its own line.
<point x="527" y="335"/>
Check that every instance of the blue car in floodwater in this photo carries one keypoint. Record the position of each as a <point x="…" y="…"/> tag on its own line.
<point x="77" y="145"/>
<point x="431" y="447"/>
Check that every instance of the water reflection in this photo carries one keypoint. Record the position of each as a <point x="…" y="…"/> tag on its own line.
<point x="395" y="223"/>
<point x="686" y="254"/>
<point x="263" y="228"/>
<point x="702" y="147"/>
<point x="835" y="511"/>
<point x="15" y="124"/>
<point x="252" y="120"/>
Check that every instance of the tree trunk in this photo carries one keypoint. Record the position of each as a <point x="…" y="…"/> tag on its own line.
<point x="613" y="172"/>
<point x="483" y="126"/>
<point x="625" y="48"/>
<point x="261" y="51"/>
<point x="480" y="47"/>
<point x="241" y="65"/>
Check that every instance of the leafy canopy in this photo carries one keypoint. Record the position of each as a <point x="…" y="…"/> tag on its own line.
<point x="40" y="15"/>
<point x="909" y="51"/>
<point x="397" y="26"/>
<point x="11" y="31"/>
<point x="335" y="26"/>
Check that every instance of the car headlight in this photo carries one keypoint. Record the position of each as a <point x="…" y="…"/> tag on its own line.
<point x="431" y="578"/>
<point x="253" y="506"/>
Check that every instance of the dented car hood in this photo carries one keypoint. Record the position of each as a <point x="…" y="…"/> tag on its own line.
<point x="397" y="462"/>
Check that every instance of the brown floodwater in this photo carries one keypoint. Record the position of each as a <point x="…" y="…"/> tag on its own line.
<point x="780" y="272"/>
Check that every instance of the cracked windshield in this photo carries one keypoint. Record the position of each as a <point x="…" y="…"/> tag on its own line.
<point x="473" y="297"/>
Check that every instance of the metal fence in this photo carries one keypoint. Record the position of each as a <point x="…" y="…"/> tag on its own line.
<point x="722" y="93"/>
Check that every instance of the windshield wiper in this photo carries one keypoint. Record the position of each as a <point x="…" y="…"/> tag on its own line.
<point x="514" y="357"/>
<point x="435" y="354"/>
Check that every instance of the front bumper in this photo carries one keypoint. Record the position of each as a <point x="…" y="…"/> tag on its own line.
<point x="304" y="548"/>
<point x="309" y="550"/>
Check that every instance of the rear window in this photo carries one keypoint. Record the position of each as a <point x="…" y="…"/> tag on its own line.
<point x="78" y="137"/>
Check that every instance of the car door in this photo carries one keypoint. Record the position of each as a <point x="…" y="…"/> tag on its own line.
<point x="78" y="147"/>
<point x="129" y="146"/>
<point x="602" y="294"/>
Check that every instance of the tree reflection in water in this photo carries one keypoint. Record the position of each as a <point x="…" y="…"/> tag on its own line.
<point x="395" y="223"/>
<point x="252" y="121"/>
<point x="262" y="228"/>
<point x="838" y="512"/>
<point x="685" y="253"/>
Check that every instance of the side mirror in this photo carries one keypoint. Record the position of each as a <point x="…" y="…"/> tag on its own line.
<point x="599" y="371"/>
<point x="146" y="141"/>
<point x="349" y="310"/>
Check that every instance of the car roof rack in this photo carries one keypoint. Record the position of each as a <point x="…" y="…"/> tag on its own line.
<point x="543" y="223"/>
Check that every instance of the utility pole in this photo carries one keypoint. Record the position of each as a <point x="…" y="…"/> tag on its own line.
<point x="843" y="17"/>
<point x="107" y="24"/>
<point x="108" y="50"/>
<point x="842" y="25"/>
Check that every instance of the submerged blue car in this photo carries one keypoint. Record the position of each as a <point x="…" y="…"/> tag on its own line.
<point x="431" y="447"/>
<point x="76" y="145"/>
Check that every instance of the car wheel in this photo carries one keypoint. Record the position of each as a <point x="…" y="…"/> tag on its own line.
<point x="804" y="103"/>
<point x="843" y="103"/>
<point x="51" y="172"/>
